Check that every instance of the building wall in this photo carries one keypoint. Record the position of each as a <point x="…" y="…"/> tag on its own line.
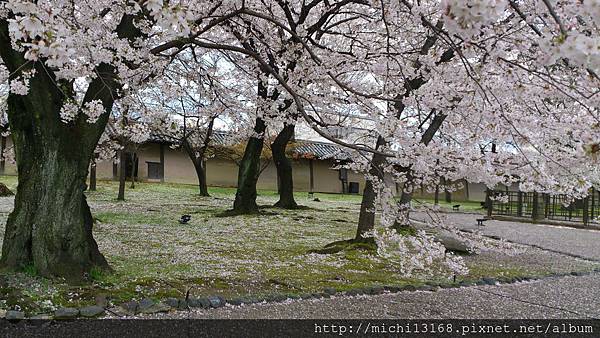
<point x="224" y="173"/>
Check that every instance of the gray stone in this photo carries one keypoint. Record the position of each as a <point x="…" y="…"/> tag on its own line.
<point x="91" y="311"/>
<point x="155" y="308"/>
<point x="251" y="300"/>
<point x="130" y="307"/>
<point x="14" y="315"/>
<point x="172" y="302"/>
<point x="235" y="301"/>
<point x="393" y="288"/>
<point x="43" y="316"/>
<point x="448" y="239"/>
<point x="447" y="285"/>
<point x="426" y="288"/>
<point x="329" y="291"/>
<point x="102" y="300"/>
<point x="145" y="304"/>
<point x="66" y="313"/>
<point x="489" y="281"/>
<point x="376" y="290"/>
<point x="117" y="311"/>
<point x="409" y="288"/>
<point x="183" y="305"/>
<point x="216" y="301"/>
<point x="199" y="303"/>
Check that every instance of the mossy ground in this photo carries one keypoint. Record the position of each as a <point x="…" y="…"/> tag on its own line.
<point x="155" y="256"/>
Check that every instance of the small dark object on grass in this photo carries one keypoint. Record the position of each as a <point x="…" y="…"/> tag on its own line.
<point x="455" y="207"/>
<point x="317" y="199"/>
<point x="185" y="219"/>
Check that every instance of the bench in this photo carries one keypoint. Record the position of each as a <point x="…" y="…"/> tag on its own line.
<point x="480" y="221"/>
<point x="455" y="207"/>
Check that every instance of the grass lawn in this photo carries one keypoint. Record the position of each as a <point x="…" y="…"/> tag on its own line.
<point x="252" y="255"/>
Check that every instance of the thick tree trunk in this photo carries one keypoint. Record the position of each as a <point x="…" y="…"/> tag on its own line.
<point x="245" y="197"/>
<point x="122" y="165"/>
<point x="50" y="227"/>
<point x="93" y="176"/>
<point x="366" y="218"/>
<point x="284" y="168"/>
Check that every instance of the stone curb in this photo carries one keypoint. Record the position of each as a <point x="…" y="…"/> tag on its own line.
<point x="148" y="306"/>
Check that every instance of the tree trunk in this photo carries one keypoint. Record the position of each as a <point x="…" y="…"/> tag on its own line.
<point x="122" y="164"/>
<point x="245" y="197"/>
<point x="284" y="168"/>
<point x="93" y="175"/>
<point x="366" y="218"/>
<point x="200" y="166"/>
<point x="50" y="227"/>
<point x="2" y="159"/>
<point x="197" y="158"/>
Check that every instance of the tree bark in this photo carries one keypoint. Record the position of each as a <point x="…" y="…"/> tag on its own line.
<point x="50" y="227"/>
<point x="284" y="168"/>
<point x="197" y="158"/>
<point x="366" y="218"/>
<point x="200" y="166"/>
<point x="245" y="197"/>
<point x="122" y="164"/>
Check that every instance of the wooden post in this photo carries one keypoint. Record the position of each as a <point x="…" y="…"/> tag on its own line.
<point x="311" y="180"/>
<point x="585" y="211"/>
<point x="162" y="162"/>
<point x="535" y="206"/>
<point x="520" y="204"/>
<point x="593" y="193"/>
<point x="115" y="171"/>
<point x="467" y="190"/>
<point x="488" y="202"/>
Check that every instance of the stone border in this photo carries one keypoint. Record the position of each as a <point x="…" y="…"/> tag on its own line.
<point x="148" y="306"/>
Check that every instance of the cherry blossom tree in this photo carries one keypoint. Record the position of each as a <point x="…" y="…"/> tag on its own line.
<point x="436" y="83"/>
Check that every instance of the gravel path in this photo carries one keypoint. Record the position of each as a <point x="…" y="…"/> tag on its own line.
<point x="577" y="242"/>
<point x="566" y="297"/>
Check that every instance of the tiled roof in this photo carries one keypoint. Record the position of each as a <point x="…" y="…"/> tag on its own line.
<point x="319" y="150"/>
<point x="300" y="148"/>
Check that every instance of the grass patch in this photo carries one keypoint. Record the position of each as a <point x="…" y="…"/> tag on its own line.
<point x="154" y="256"/>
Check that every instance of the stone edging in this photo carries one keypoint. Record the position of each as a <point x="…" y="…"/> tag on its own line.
<point x="148" y="306"/>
